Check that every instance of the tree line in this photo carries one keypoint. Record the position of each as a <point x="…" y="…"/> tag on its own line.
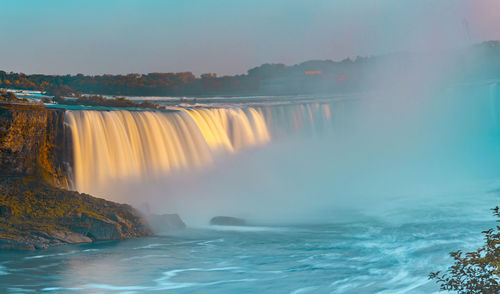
<point x="316" y="76"/>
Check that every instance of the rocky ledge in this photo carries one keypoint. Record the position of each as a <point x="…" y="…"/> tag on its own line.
<point x="163" y="223"/>
<point x="35" y="215"/>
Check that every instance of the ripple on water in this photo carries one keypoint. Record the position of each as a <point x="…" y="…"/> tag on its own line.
<point x="316" y="259"/>
<point x="3" y="270"/>
<point x="304" y="290"/>
<point x="140" y="257"/>
<point x="151" y="246"/>
<point x="165" y="282"/>
<point x="52" y="255"/>
<point x="20" y="290"/>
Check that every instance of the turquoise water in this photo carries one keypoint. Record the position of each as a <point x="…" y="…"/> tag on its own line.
<point x="389" y="254"/>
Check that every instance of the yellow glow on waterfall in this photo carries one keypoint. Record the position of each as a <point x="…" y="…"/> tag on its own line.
<point x="111" y="145"/>
<point x="230" y="129"/>
<point x="326" y="111"/>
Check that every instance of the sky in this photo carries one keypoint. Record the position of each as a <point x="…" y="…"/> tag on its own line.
<point x="227" y="36"/>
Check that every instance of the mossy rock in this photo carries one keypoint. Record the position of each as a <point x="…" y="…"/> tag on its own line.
<point x="32" y="210"/>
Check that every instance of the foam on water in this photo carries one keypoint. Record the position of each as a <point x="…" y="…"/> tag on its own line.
<point x="244" y="228"/>
<point x="368" y="256"/>
<point x="3" y="270"/>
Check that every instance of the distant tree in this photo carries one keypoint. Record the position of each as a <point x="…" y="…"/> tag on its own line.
<point x="484" y="62"/>
<point x="267" y="70"/>
<point x="59" y="90"/>
<point x="208" y="76"/>
<point x="476" y="272"/>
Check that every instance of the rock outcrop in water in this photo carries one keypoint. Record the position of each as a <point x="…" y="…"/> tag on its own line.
<point x="35" y="215"/>
<point x="227" y="221"/>
<point x="161" y="223"/>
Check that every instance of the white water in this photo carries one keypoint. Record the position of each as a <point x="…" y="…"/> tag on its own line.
<point x="110" y="145"/>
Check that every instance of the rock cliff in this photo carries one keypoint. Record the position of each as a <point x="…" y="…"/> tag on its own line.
<point x="32" y="142"/>
<point x="36" y="210"/>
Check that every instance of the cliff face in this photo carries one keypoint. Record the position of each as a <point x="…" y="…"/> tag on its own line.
<point x="36" y="211"/>
<point x="32" y="142"/>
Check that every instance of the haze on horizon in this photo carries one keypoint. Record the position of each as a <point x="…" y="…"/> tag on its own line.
<point x="228" y="37"/>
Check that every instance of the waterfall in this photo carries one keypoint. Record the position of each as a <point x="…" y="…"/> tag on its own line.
<point x="171" y="160"/>
<point x="118" y="144"/>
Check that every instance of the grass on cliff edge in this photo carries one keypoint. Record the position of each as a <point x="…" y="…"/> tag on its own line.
<point x="30" y="206"/>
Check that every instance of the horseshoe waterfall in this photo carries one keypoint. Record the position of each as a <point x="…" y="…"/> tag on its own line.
<point x="120" y="144"/>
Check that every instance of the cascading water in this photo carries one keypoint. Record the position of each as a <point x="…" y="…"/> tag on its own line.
<point x="230" y="129"/>
<point x="111" y="145"/>
<point x="122" y="144"/>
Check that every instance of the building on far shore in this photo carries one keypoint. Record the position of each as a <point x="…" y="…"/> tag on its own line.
<point x="313" y="72"/>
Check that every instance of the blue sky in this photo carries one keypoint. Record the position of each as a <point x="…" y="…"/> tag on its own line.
<point x="225" y="36"/>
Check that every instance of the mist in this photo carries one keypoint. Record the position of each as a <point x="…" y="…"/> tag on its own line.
<point x="414" y="134"/>
<point x="375" y="154"/>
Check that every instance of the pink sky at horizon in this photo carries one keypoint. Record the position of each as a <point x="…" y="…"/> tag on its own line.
<point x="226" y="36"/>
<point x="484" y="19"/>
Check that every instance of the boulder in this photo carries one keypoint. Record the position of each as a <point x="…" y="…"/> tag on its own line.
<point x="97" y="228"/>
<point x="161" y="223"/>
<point x="24" y="243"/>
<point x="69" y="237"/>
<point x="227" y="221"/>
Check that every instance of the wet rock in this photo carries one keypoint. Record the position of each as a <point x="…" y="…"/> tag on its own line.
<point x="20" y="244"/>
<point x="227" y="221"/>
<point x="161" y="223"/>
<point x="97" y="229"/>
<point x="43" y="240"/>
<point x="69" y="237"/>
<point x="5" y="211"/>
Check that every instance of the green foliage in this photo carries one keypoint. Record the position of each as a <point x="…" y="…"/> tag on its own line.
<point x="98" y="100"/>
<point x="10" y="97"/>
<point x="58" y="90"/>
<point x="37" y="207"/>
<point x="476" y="272"/>
<point x="267" y="70"/>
